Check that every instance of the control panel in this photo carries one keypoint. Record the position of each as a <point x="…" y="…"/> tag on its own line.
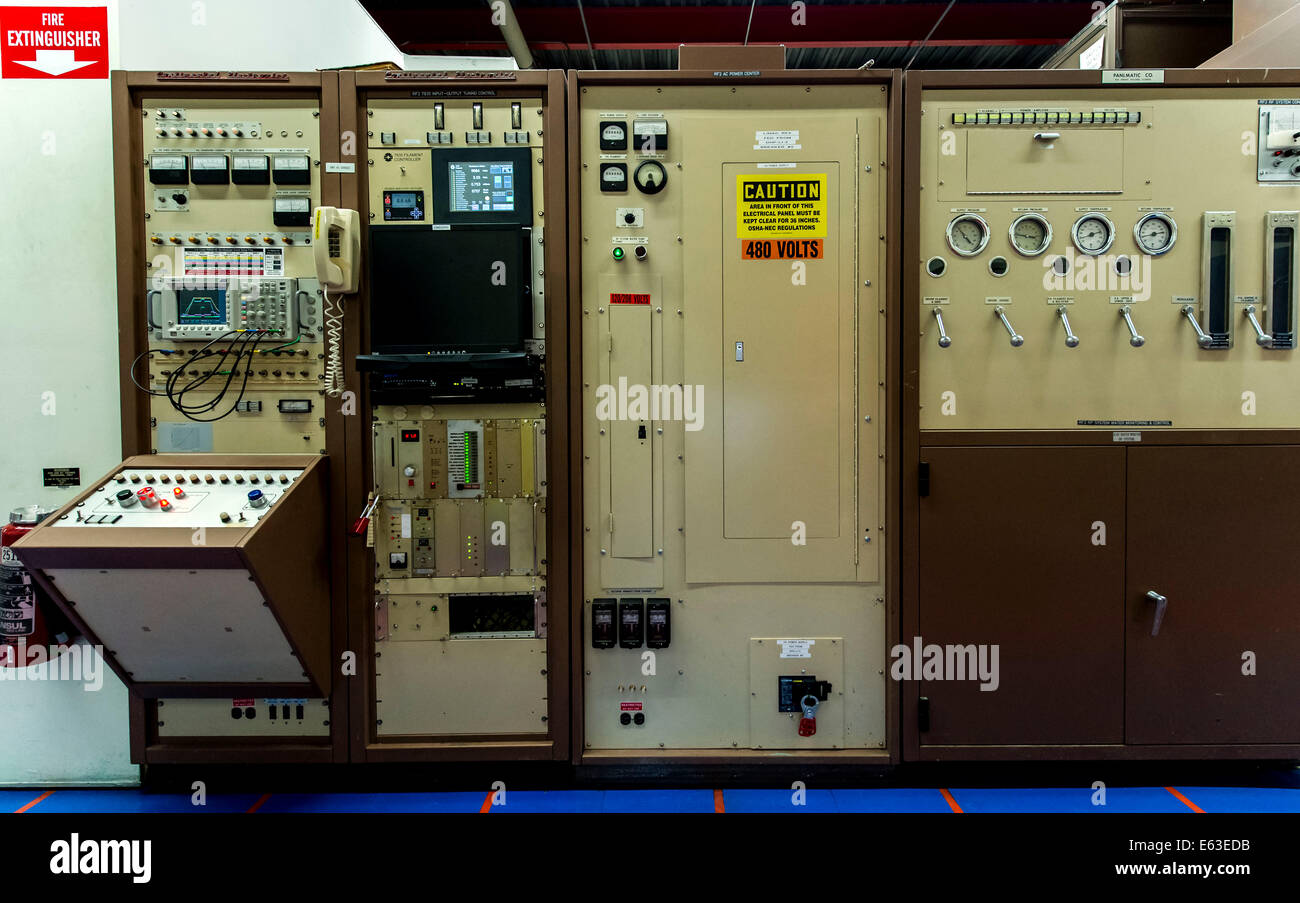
<point x="249" y="716"/>
<point x="733" y="282"/>
<point x="235" y="316"/>
<point x="459" y="537"/>
<point x="199" y="575"/>
<point x="457" y="288"/>
<point x="1108" y="258"/>
<point x="139" y="497"/>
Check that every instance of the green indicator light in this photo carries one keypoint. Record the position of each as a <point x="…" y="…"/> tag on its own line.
<point x="618" y="253"/>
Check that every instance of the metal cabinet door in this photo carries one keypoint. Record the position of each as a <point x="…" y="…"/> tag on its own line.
<point x="1011" y="554"/>
<point x="1216" y="531"/>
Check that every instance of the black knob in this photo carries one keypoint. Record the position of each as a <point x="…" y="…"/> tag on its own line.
<point x="625" y="719"/>
<point x="629" y="218"/>
<point x="180" y="198"/>
<point x="639" y="717"/>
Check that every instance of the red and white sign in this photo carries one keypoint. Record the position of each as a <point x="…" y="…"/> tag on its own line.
<point x="53" y="42"/>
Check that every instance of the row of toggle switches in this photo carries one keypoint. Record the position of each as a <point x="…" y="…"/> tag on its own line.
<point x="1203" y="339"/>
<point x="207" y="478"/>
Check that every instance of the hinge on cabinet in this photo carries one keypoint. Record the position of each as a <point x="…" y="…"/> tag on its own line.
<point x="923" y="479"/>
<point x="923" y="714"/>
<point x="611" y="522"/>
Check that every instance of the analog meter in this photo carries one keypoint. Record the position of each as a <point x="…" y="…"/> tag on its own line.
<point x="1093" y="233"/>
<point x="650" y="177"/>
<point x="1030" y="233"/>
<point x="1155" y="233"/>
<point x="968" y="234"/>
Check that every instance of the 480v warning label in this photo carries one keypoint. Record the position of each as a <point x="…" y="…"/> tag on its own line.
<point x="782" y="249"/>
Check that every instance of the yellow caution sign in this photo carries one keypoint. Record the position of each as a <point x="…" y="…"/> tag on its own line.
<point x="788" y="206"/>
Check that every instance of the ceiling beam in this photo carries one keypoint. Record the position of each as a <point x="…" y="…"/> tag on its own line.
<point x="469" y="28"/>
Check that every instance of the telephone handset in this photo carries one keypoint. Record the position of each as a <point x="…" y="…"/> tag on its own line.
<point x="336" y="248"/>
<point x="336" y="237"/>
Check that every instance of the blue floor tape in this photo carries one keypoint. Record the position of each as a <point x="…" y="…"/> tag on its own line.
<point x="882" y="800"/>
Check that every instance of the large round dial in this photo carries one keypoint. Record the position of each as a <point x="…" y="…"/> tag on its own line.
<point x="650" y="177"/>
<point x="1093" y="233"/>
<point x="1031" y="233"/>
<point x="968" y="234"/>
<point x="1155" y="233"/>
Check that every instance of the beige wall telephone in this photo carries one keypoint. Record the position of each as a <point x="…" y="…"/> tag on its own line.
<point x="336" y="247"/>
<point x="336" y="237"/>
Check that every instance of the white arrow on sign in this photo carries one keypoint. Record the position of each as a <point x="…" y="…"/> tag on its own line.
<point x="56" y="62"/>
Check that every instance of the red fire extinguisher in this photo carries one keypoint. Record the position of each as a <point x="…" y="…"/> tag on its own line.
<point x="27" y="617"/>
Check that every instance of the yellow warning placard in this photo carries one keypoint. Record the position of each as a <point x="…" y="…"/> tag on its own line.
<point x="786" y="206"/>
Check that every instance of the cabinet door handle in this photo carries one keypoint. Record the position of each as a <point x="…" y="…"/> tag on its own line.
<point x="1162" y="603"/>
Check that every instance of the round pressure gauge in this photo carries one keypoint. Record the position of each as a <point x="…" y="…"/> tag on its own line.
<point x="1155" y="233"/>
<point x="1093" y="233"/>
<point x="968" y="234"/>
<point x="1030" y="233"/>
<point x="650" y="177"/>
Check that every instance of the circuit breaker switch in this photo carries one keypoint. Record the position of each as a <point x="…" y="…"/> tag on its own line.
<point x="631" y="623"/>
<point x="604" y="630"/>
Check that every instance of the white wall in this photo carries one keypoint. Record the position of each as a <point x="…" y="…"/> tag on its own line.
<point x="58" y="324"/>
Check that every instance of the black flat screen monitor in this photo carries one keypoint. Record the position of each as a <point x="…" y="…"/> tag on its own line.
<point x="446" y="291"/>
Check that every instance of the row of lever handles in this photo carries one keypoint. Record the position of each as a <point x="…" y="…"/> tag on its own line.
<point x="1263" y="339"/>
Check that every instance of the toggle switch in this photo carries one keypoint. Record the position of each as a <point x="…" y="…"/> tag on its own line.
<point x="1133" y="338"/>
<point x="1202" y="337"/>
<point x="1071" y="340"/>
<point x="944" y="341"/>
<point x="1016" y="339"/>
<point x="1262" y="338"/>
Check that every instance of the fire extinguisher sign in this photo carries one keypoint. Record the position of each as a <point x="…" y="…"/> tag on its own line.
<point x="53" y="42"/>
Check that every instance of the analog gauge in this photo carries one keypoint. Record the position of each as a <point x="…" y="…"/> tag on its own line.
<point x="968" y="234"/>
<point x="1030" y="234"/>
<point x="650" y="177"/>
<point x="1155" y="233"/>
<point x="1093" y="233"/>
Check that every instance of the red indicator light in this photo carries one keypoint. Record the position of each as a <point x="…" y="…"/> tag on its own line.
<point x="179" y="492"/>
<point x="164" y="504"/>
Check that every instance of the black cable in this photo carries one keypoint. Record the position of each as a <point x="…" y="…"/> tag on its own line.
<point x="243" y="345"/>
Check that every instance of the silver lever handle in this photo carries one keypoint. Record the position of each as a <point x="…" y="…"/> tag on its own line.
<point x="1202" y="337"/>
<point x="1046" y="136"/>
<point x="149" y="308"/>
<point x="944" y="341"/>
<point x="1071" y="340"/>
<point x="1262" y="338"/>
<point x="1133" y="338"/>
<point x="1016" y="339"/>
<point x="1161" y="604"/>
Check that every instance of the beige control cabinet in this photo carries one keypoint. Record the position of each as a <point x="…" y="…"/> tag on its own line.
<point x="224" y="347"/>
<point x="731" y="289"/>
<point x="461" y="192"/>
<point x="1102" y="419"/>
